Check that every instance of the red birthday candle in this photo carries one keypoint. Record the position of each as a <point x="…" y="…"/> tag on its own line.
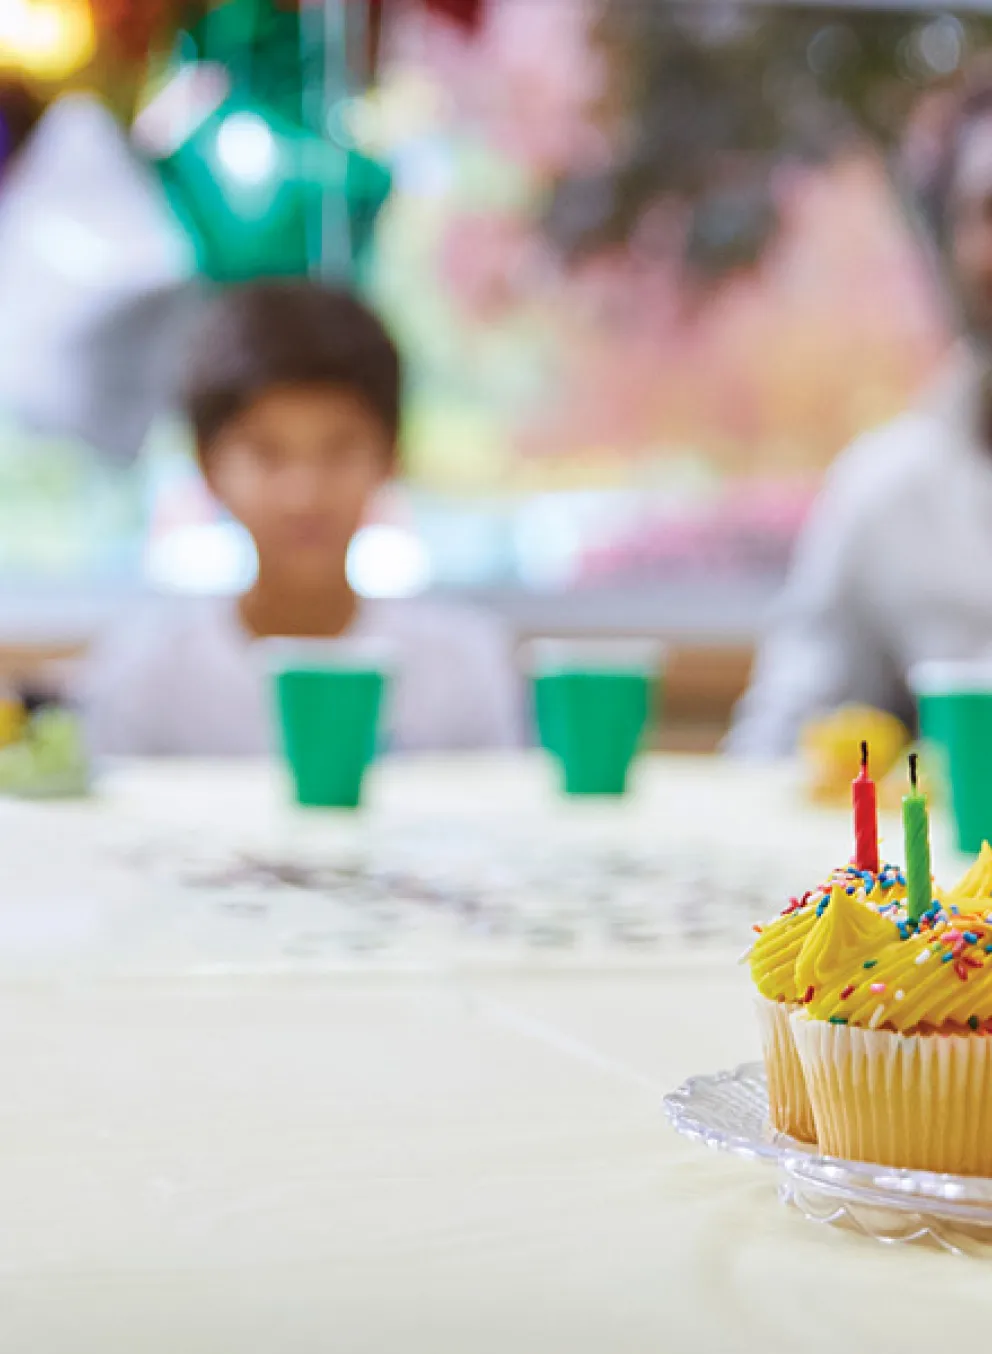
<point x="865" y="818"/>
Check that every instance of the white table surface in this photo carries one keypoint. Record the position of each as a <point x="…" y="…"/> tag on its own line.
<point x="210" y="1145"/>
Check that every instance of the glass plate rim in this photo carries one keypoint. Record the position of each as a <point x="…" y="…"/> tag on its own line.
<point x="960" y="1197"/>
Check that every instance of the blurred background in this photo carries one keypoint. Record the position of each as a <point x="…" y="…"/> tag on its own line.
<point x="649" y="261"/>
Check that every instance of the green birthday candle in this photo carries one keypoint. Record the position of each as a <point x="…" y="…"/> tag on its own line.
<point x="916" y="827"/>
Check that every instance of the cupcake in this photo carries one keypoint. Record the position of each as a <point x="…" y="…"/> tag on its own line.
<point x="894" y="1037"/>
<point x="773" y="959"/>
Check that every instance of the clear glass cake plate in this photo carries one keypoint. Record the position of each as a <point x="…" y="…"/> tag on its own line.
<point x="729" y="1110"/>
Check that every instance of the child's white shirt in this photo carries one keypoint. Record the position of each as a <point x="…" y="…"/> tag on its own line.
<point x="184" y="678"/>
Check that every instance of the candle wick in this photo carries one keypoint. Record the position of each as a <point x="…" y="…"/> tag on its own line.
<point x="864" y="755"/>
<point x="912" y="770"/>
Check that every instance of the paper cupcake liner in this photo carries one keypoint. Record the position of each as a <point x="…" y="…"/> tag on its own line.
<point x="922" y="1102"/>
<point x="789" y="1107"/>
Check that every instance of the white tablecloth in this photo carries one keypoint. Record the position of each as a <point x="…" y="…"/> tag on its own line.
<point x="453" y="1156"/>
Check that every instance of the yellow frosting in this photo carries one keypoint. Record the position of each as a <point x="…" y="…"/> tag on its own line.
<point x="976" y="884"/>
<point x="848" y="933"/>
<point x="778" y="945"/>
<point x="774" y="954"/>
<point x="935" y="978"/>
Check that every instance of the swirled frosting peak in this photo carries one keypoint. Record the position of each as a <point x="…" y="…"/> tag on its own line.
<point x="976" y="885"/>
<point x="774" y="953"/>
<point x="848" y="934"/>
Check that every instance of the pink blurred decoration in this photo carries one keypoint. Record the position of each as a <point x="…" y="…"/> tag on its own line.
<point x="746" y="527"/>
<point x="487" y="262"/>
<point x="778" y="368"/>
<point x="744" y="389"/>
<point x="528" y="75"/>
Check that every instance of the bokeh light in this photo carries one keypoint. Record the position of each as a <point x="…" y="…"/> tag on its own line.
<point x="388" y="561"/>
<point x="247" y="149"/>
<point x="47" y="39"/>
<point x="207" y="558"/>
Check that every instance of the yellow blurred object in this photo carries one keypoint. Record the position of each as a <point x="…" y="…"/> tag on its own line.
<point x="12" y="722"/>
<point x="831" y="749"/>
<point x="47" y="39"/>
<point x="895" y="786"/>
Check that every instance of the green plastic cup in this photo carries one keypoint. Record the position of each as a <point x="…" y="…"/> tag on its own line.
<point x="594" y="704"/>
<point x="955" y="705"/>
<point x="329" y="699"/>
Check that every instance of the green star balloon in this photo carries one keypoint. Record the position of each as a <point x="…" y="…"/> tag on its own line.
<point x="260" y="187"/>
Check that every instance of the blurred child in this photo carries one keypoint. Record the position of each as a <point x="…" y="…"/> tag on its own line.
<point x="294" y="396"/>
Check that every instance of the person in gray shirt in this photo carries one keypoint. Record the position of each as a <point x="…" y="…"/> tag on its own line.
<point x="894" y="565"/>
